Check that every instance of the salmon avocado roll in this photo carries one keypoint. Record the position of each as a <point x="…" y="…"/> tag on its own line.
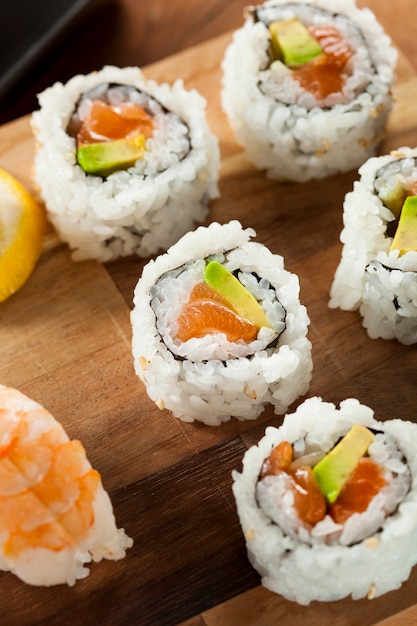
<point x="134" y="162"/>
<point x="377" y="272"/>
<point x="218" y="329"/>
<point x="326" y="503"/>
<point x="307" y="86"/>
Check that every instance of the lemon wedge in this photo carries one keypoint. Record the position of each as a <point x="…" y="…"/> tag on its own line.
<point x="22" y="228"/>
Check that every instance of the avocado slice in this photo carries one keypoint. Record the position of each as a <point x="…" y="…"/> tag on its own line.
<point x="333" y="470"/>
<point x="242" y="301"/>
<point x="405" y="238"/>
<point x="293" y="43"/>
<point x="102" y="159"/>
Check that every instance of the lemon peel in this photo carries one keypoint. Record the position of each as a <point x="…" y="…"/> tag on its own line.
<point x="22" y="229"/>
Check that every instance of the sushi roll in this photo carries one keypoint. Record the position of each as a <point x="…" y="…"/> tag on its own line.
<point x="328" y="505"/>
<point x="124" y="165"/>
<point x="218" y="329"/>
<point x="377" y="272"/>
<point x="307" y="87"/>
<point x="55" y="515"/>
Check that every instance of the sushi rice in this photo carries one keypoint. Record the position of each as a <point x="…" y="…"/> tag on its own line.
<point x="210" y="379"/>
<point x="371" y="557"/>
<point x="380" y="283"/>
<point x="282" y="127"/>
<point x="145" y="208"/>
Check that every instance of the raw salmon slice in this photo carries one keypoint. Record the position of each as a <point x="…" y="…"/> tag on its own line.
<point x="208" y="312"/>
<point x="333" y="44"/>
<point x="108" y="123"/>
<point x="323" y="75"/>
<point x="362" y="486"/>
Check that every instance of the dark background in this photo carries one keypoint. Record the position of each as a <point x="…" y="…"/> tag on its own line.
<point x="43" y="41"/>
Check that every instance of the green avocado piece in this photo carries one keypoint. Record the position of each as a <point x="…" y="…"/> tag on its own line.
<point x="241" y="300"/>
<point x="333" y="470"/>
<point x="405" y="238"/>
<point x="293" y="43"/>
<point x="102" y="159"/>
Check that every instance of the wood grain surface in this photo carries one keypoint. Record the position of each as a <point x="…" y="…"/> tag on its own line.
<point x="66" y="342"/>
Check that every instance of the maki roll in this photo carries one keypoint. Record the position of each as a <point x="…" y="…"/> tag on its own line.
<point x="327" y="505"/>
<point x="55" y="515"/>
<point x="307" y="86"/>
<point x="124" y="165"/>
<point x="218" y="329"/>
<point x="377" y="272"/>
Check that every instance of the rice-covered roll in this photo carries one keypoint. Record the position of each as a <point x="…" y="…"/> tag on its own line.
<point x="55" y="516"/>
<point x="307" y="86"/>
<point x="327" y="503"/>
<point x="124" y="165"/>
<point x="377" y="273"/>
<point x="218" y="329"/>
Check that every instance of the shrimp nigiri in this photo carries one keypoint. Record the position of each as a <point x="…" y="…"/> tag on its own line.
<point x="55" y="515"/>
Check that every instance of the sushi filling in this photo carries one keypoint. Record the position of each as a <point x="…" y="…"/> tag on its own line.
<point x="205" y="327"/>
<point x="118" y="127"/>
<point x="293" y="499"/>
<point x="393" y="283"/>
<point x="335" y="67"/>
<point x="395" y="181"/>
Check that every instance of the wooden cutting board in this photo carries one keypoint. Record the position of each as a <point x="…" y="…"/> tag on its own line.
<point x="66" y="342"/>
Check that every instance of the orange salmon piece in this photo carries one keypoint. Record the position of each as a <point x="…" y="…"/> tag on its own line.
<point x="309" y="502"/>
<point x="279" y="460"/>
<point x="208" y="312"/>
<point x="323" y="75"/>
<point x="333" y="44"/>
<point x="357" y="493"/>
<point x="106" y="122"/>
<point x="204" y="291"/>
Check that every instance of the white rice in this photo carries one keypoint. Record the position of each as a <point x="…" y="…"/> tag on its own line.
<point x="138" y="211"/>
<point x="302" y="570"/>
<point x="370" y="277"/>
<point x="212" y="390"/>
<point x="281" y="127"/>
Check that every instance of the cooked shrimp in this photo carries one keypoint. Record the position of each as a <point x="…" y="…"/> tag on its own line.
<point x="54" y="512"/>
